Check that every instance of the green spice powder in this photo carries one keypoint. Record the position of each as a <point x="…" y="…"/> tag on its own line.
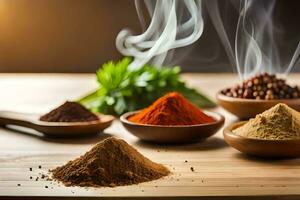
<point x="278" y="123"/>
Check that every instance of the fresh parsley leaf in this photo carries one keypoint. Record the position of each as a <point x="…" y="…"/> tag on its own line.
<point x="122" y="89"/>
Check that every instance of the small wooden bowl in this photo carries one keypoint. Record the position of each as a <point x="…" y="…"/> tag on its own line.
<point x="248" y="108"/>
<point x="261" y="148"/>
<point x="173" y="134"/>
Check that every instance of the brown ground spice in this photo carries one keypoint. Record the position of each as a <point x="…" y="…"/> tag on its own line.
<point x="111" y="162"/>
<point x="278" y="123"/>
<point x="69" y="112"/>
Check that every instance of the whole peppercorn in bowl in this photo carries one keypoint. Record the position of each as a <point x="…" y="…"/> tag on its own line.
<point x="258" y="94"/>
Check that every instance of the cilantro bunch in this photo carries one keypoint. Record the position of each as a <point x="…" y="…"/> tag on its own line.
<point x="122" y="89"/>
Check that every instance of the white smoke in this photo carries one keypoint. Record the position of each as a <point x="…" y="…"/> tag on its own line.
<point x="168" y="30"/>
<point x="255" y="46"/>
<point x="177" y="23"/>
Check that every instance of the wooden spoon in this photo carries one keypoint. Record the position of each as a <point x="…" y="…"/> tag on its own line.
<point x="55" y="128"/>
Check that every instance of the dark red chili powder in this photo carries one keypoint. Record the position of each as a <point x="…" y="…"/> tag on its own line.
<point x="172" y="109"/>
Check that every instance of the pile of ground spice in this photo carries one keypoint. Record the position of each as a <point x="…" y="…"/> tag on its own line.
<point x="69" y="112"/>
<point x="112" y="162"/>
<point x="278" y="123"/>
<point x="171" y="109"/>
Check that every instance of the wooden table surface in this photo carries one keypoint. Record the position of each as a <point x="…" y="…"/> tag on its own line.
<point x="219" y="169"/>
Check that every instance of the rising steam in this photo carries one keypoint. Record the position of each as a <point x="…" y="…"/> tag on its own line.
<point x="252" y="48"/>
<point x="168" y="29"/>
<point x="255" y="47"/>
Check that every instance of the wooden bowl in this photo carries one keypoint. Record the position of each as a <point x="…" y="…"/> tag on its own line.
<point x="259" y="147"/>
<point x="55" y="129"/>
<point x="173" y="134"/>
<point x="248" y="108"/>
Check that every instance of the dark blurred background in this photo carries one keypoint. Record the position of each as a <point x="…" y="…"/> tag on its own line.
<point x="79" y="35"/>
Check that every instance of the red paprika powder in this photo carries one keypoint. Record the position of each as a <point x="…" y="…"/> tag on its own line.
<point x="171" y="109"/>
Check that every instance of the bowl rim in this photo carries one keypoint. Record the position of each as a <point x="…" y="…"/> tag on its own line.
<point x="227" y="131"/>
<point x="223" y="97"/>
<point x="220" y="119"/>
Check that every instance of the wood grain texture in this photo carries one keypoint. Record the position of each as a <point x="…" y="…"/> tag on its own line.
<point x="220" y="171"/>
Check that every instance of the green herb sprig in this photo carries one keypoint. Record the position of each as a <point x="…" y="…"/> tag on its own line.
<point x="122" y="89"/>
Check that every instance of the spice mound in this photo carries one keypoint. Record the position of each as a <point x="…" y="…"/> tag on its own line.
<point x="263" y="86"/>
<point x="171" y="109"/>
<point x="69" y="112"/>
<point x="111" y="162"/>
<point x="278" y="123"/>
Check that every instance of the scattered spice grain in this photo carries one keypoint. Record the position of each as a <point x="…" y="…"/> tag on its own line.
<point x="192" y="169"/>
<point x="171" y="109"/>
<point x="111" y="162"/>
<point x="69" y="112"/>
